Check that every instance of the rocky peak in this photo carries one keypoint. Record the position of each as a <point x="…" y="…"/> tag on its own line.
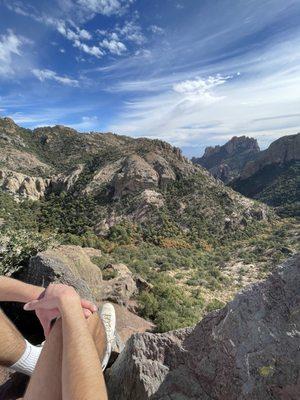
<point x="226" y="162"/>
<point x="8" y="124"/>
<point x="241" y="143"/>
<point x="236" y="144"/>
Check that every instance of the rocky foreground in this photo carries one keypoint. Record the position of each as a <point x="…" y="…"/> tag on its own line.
<point x="247" y="350"/>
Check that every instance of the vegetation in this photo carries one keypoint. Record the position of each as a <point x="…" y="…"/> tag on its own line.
<point x="186" y="270"/>
<point x="276" y="185"/>
<point x="196" y="249"/>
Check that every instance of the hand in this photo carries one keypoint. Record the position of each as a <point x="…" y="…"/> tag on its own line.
<point x="47" y="307"/>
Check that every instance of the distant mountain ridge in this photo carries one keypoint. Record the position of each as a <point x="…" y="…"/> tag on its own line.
<point x="271" y="175"/>
<point x="274" y="176"/>
<point x="226" y="162"/>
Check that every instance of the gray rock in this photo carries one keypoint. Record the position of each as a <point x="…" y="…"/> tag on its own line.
<point x="45" y="268"/>
<point x="248" y="350"/>
<point x="118" y="285"/>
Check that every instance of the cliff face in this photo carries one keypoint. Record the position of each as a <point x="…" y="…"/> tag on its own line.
<point x="284" y="150"/>
<point x="226" y="162"/>
<point x="274" y="177"/>
<point x="246" y="351"/>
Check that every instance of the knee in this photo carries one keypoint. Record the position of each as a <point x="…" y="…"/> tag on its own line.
<point x="96" y="326"/>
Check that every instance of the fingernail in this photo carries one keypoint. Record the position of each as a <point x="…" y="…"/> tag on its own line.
<point x="25" y="307"/>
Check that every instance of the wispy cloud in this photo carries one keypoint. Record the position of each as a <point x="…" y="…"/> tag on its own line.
<point x="10" y="46"/>
<point x="87" y="123"/>
<point x="47" y="74"/>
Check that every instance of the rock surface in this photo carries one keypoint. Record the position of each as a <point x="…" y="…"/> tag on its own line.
<point x="118" y="285"/>
<point x="23" y="186"/>
<point x="274" y="177"/>
<point x="226" y="162"/>
<point x="283" y="150"/>
<point x="247" y="350"/>
<point x="70" y="265"/>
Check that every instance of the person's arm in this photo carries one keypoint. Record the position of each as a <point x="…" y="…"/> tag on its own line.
<point x="14" y="290"/>
<point x="82" y="376"/>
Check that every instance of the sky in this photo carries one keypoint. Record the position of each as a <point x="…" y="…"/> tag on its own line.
<point x="190" y="72"/>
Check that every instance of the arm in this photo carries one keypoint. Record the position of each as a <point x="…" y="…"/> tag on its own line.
<point x="14" y="290"/>
<point x="82" y="375"/>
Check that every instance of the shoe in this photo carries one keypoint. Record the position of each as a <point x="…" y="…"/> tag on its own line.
<point x="108" y="317"/>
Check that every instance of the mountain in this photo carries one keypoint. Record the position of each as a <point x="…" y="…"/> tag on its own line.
<point x="227" y="161"/>
<point x="142" y="204"/>
<point x="136" y="180"/>
<point x="274" y="177"/>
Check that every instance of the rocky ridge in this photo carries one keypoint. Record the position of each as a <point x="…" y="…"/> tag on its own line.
<point x="226" y="162"/>
<point x="274" y="176"/>
<point x="131" y="180"/>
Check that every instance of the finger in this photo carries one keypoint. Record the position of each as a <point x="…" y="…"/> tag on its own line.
<point x="88" y="305"/>
<point x="87" y="313"/>
<point x="32" y="305"/>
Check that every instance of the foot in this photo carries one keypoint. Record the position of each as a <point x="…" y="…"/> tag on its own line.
<point x="108" y="317"/>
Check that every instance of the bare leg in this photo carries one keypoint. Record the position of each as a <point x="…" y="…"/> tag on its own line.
<point x="12" y="343"/>
<point x="46" y="381"/>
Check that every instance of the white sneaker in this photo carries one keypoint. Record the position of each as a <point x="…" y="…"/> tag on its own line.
<point x="108" y="317"/>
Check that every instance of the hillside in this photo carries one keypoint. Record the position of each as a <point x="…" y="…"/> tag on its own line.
<point x="226" y="162"/>
<point x="124" y="179"/>
<point x="274" y="177"/>
<point x="142" y="203"/>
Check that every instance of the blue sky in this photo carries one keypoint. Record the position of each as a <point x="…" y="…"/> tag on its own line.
<point x="191" y="72"/>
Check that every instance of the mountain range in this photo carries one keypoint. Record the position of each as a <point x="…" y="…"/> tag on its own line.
<point x="141" y="203"/>
<point x="271" y="176"/>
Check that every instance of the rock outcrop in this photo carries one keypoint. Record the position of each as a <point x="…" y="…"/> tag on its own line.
<point x="226" y="162"/>
<point x="70" y="265"/>
<point x="282" y="151"/>
<point x="274" y="176"/>
<point x="23" y="186"/>
<point x="247" y="350"/>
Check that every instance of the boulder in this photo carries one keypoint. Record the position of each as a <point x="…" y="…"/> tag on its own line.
<point x="70" y="265"/>
<point x="247" y="350"/>
<point x="118" y="285"/>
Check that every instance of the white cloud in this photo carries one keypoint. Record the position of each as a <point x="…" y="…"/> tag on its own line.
<point x="47" y="74"/>
<point x="105" y="7"/>
<point x="114" y="46"/>
<point x="91" y="50"/>
<point x="69" y="33"/>
<point x="10" y="46"/>
<point x="200" y="89"/>
<point x="132" y="32"/>
<point x="84" y="34"/>
<point x="156" y="29"/>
